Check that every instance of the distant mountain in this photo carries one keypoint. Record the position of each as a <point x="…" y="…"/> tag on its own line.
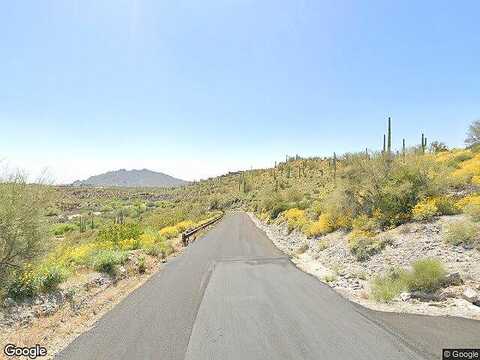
<point x="131" y="178"/>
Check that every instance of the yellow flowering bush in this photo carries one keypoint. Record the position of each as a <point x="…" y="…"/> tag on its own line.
<point x="129" y="244"/>
<point x="264" y="216"/>
<point x="468" y="170"/>
<point x="24" y="283"/>
<point x="324" y="225"/>
<point x="430" y="207"/>
<point x="184" y="225"/>
<point x="476" y="180"/>
<point x="425" y="210"/>
<point x="453" y="157"/>
<point x="105" y="245"/>
<point x="296" y="218"/>
<point x="169" y="232"/>
<point x="34" y="279"/>
<point x="148" y="239"/>
<point x="78" y="254"/>
<point x="472" y="199"/>
<point x="446" y="205"/>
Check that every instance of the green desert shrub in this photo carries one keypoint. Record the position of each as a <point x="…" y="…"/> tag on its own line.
<point x="51" y="275"/>
<point x="115" y="233"/>
<point x="22" y="284"/>
<point x="155" y="250"/>
<point x="166" y="248"/>
<point x="473" y="211"/>
<point x="32" y="280"/>
<point x="460" y="232"/>
<point x="427" y="275"/>
<point x="107" y="261"/>
<point x="362" y="245"/>
<point x="446" y="205"/>
<point x="141" y="266"/>
<point x="386" y="287"/>
<point x="62" y="229"/>
<point x="329" y="278"/>
<point x="278" y="209"/>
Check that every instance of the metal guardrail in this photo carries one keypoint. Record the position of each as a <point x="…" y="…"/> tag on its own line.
<point x="187" y="234"/>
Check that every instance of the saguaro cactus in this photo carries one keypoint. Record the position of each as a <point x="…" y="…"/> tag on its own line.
<point x="389" y="145"/>
<point x="82" y="224"/>
<point x="424" y="143"/>
<point x="335" y="166"/>
<point x="384" y="143"/>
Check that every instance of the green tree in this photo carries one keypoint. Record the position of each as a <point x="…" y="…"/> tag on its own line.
<point x="22" y="229"/>
<point x="473" y="134"/>
<point x="437" y="147"/>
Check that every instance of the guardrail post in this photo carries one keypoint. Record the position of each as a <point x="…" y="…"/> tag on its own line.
<point x="186" y="235"/>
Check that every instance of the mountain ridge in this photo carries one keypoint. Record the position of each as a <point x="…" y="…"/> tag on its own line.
<point x="131" y="178"/>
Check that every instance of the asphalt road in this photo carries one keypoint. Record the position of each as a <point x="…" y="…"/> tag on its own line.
<point x="233" y="295"/>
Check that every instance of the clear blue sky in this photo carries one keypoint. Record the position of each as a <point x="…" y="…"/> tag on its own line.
<point x="196" y="88"/>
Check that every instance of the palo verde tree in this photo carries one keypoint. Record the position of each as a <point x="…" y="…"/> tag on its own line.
<point x="21" y="225"/>
<point x="473" y="134"/>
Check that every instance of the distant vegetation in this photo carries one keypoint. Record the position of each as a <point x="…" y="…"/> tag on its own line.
<point x="48" y="233"/>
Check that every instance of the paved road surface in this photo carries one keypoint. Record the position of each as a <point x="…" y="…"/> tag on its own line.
<point x="233" y="295"/>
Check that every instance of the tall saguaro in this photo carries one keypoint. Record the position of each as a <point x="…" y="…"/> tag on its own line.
<point x="389" y="145"/>
<point x="424" y="143"/>
<point x="335" y="167"/>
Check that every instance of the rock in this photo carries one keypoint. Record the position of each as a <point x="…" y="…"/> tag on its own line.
<point x="453" y="279"/>
<point x="302" y="249"/>
<point x="405" y="296"/>
<point x="423" y="296"/>
<point x="447" y="294"/>
<point x="9" y="302"/>
<point x="471" y="296"/>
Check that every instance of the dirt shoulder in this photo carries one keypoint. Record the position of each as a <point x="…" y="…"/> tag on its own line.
<point x="329" y="259"/>
<point x="54" y="320"/>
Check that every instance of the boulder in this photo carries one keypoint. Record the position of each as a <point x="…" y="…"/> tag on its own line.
<point x="424" y="296"/>
<point x="405" y="296"/>
<point x="471" y="296"/>
<point x="447" y="294"/>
